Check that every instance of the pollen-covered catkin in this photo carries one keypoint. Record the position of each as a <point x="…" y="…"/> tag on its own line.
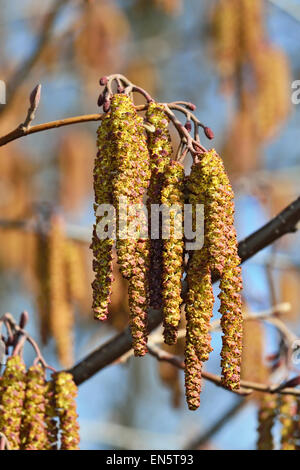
<point x="129" y="186"/>
<point x="33" y="424"/>
<point x="266" y="417"/>
<point x="104" y="167"/>
<point x="12" y="397"/>
<point x="172" y="196"/>
<point x="132" y="176"/>
<point x="65" y="394"/>
<point x="160" y="149"/>
<point x="51" y="417"/>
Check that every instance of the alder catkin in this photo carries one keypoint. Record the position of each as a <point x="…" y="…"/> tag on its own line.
<point x="172" y="196"/>
<point x="160" y="149"/>
<point x="130" y="184"/>
<point x="104" y="168"/>
<point x="51" y="417"/>
<point x="33" y="424"/>
<point x="13" y="385"/>
<point x="65" y="394"/>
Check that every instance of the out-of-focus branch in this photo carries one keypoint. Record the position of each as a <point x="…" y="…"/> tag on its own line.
<point x="20" y="75"/>
<point x="110" y="352"/>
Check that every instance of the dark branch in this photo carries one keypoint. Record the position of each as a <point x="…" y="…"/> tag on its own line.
<point x="106" y="354"/>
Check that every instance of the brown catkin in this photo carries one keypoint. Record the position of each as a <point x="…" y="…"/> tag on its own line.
<point x="61" y="315"/>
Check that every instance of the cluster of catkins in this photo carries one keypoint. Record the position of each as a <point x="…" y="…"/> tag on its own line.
<point x="36" y="414"/>
<point x="287" y="409"/>
<point x="138" y="165"/>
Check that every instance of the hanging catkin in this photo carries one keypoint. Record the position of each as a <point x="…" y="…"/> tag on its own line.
<point x="160" y="149"/>
<point x="172" y="196"/>
<point x="50" y="417"/>
<point x="12" y="397"/>
<point x="65" y="394"/>
<point x="266" y="417"/>
<point x="102" y="248"/>
<point x="33" y="433"/>
<point x="131" y="182"/>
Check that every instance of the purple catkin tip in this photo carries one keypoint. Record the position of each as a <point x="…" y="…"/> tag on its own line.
<point x="103" y="81"/>
<point x="209" y="133"/>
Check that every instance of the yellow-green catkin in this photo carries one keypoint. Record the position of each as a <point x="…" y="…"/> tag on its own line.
<point x="12" y="398"/>
<point x="51" y="417"/>
<point x="199" y="298"/>
<point x="287" y="415"/>
<point x="65" y="395"/>
<point x="266" y="418"/>
<point x="129" y="186"/>
<point x="104" y="169"/>
<point x="222" y="244"/>
<point x="33" y="433"/>
<point x="172" y="196"/>
<point x="160" y="150"/>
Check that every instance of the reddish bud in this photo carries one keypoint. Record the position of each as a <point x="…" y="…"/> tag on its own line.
<point x="188" y="126"/>
<point x="191" y="106"/>
<point x="209" y="133"/>
<point x="103" y="80"/>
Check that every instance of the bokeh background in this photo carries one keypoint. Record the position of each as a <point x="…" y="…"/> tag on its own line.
<point x="236" y="60"/>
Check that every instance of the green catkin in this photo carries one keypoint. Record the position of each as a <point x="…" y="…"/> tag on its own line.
<point x="266" y="418"/>
<point x="131" y="182"/>
<point x="33" y="424"/>
<point x="287" y="413"/>
<point x="103" y="248"/>
<point x="13" y="393"/>
<point x="65" y="394"/>
<point x="160" y="150"/>
<point x="172" y="195"/>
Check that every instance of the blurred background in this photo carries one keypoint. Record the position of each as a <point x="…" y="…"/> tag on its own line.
<point x="236" y="60"/>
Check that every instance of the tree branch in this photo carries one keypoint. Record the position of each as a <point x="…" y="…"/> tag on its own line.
<point x="106" y="354"/>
